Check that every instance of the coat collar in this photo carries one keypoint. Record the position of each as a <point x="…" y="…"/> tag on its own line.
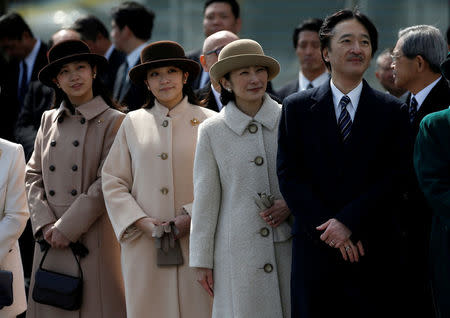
<point x="266" y="116"/>
<point x="162" y="111"/>
<point x="88" y="110"/>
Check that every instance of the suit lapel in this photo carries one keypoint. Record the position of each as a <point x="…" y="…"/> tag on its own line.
<point x="361" y="126"/>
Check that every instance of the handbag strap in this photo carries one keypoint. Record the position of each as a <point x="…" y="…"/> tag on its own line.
<point x="47" y="248"/>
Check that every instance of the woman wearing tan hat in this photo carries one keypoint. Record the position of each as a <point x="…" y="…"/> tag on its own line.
<point x="147" y="183"/>
<point x="64" y="185"/>
<point x="240" y="236"/>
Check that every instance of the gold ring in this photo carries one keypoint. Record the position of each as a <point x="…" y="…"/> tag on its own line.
<point x="332" y="243"/>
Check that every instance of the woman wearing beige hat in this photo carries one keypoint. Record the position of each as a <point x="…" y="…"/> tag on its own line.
<point x="240" y="242"/>
<point x="64" y="185"/>
<point x="147" y="183"/>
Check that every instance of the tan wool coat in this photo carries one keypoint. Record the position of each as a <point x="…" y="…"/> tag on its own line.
<point x="63" y="181"/>
<point x="149" y="173"/>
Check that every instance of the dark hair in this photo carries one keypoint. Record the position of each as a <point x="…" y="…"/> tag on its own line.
<point x="88" y="27"/>
<point x="235" y="9"/>
<point x="12" y="26"/>
<point x="134" y="15"/>
<point x="326" y="31"/>
<point x="307" y="25"/>
<point x="98" y="89"/>
<point x="226" y="96"/>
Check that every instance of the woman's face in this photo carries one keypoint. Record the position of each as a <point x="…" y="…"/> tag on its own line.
<point x="75" y="79"/>
<point x="166" y="84"/>
<point x="248" y="83"/>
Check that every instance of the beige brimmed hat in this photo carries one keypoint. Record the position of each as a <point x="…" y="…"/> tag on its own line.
<point x="243" y="53"/>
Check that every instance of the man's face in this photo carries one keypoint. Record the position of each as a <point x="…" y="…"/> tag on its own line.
<point x="308" y="52"/>
<point x="117" y="36"/>
<point x="350" y="50"/>
<point x="384" y="73"/>
<point x="404" y="70"/>
<point x="14" y="48"/>
<point x="219" y="16"/>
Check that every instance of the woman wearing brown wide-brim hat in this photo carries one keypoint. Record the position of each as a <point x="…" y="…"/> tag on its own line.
<point x="147" y="183"/>
<point x="240" y="236"/>
<point x="64" y="185"/>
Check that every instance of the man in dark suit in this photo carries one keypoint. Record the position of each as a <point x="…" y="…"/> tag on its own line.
<point x="218" y="15"/>
<point x="27" y="55"/>
<point x="343" y="152"/>
<point x="132" y="26"/>
<point x="431" y="160"/>
<point x="313" y="71"/>
<point x="211" y="48"/>
<point x="94" y="33"/>
<point x="416" y="69"/>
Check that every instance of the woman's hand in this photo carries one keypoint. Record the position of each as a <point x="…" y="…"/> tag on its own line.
<point x="183" y="224"/>
<point x="205" y="278"/>
<point x="58" y="239"/>
<point x="276" y="214"/>
<point x="47" y="233"/>
<point x="146" y="225"/>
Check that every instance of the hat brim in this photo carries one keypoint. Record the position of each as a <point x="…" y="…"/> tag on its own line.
<point x="222" y="67"/>
<point x="139" y="73"/>
<point x="48" y="72"/>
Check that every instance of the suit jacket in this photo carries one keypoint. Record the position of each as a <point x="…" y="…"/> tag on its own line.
<point x="109" y="76"/>
<point x="195" y="56"/>
<point x="288" y="89"/>
<point x="13" y="217"/>
<point x="358" y="184"/>
<point x="206" y="93"/>
<point x="134" y="96"/>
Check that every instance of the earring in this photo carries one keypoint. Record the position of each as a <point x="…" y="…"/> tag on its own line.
<point x="229" y="90"/>
<point x="57" y="84"/>
<point x="95" y="74"/>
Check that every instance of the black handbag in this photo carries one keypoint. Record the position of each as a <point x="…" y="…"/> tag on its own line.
<point x="6" y="289"/>
<point x="57" y="289"/>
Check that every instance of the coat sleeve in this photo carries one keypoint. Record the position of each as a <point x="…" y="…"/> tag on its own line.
<point x="89" y="206"/>
<point x="117" y="175"/>
<point x="207" y="198"/>
<point x="16" y="211"/>
<point x="432" y="162"/>
<point x="41" y="213"/>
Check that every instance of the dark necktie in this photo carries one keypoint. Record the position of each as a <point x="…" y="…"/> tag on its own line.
<point x="23" y="84"/>
<point x="344" y="122"/>
<point x="119" y="88"/>
<point x="412" y="109"/>
<point x="309" y="86"/>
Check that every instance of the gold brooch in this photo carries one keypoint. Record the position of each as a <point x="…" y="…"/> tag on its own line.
<point x="195" y="122"/>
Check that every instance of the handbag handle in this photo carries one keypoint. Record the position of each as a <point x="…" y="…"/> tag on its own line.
<point x="47" y="248"/>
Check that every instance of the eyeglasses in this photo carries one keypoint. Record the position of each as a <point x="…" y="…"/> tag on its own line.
<point x="217" y="51"/>
<point x="395" y="57"/>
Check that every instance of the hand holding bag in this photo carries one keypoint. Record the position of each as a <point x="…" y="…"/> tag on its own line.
<point x="57" y="289"/>
<point x="167" y="247"/>
<point x="6" y="289"/>
<point x="283" y="231"/>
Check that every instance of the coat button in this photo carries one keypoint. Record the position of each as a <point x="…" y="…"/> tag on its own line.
<point x="74" y="167"/>
<point x="268" y="268"/>
<point x="51" y="192"/>
<point x="52" y="168"/>
<point x="264" y="232"/>
<point x="76" y="143"/>
<point x="165" y="123"/>
<point x="164" y="156"/>
<point x="73" y="192"/>
<point x="259" y="161"/>
<point x="164" y="190"/>
<point x="82" y="120"/>
<point x="53" y="143"/>
<point x="60" y="119"/>
<point x="252" y="128"/>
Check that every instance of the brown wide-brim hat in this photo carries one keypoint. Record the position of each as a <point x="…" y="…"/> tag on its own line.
<point x="159" y="54"/>
<point x="243" y="53"/>
<point x="445" y="67"/>
<point x="66" y="52"/>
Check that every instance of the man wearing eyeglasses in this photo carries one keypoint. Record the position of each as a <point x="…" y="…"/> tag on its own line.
<point x="416" y="59"/>
<point x="211" y="48"/>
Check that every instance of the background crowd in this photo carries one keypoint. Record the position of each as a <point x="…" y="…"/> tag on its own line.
<point x="354" y="183"/>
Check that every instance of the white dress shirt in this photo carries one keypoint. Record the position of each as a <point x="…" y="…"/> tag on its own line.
<point x="354" y="96"/>
<point x="420" y="96"/>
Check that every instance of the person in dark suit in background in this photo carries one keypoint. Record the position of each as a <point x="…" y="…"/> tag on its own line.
<point x="27" y="55"/>
<point x="313" y="71"/>
<point x="343" y="150"/>
<point x="416" y="58"/>
<point x="385" y="75"/>
<point x="431" y="160"/>
<point x="212" y="46"/>
<point x="218" y="15"/>
<point x="132" y="26"/>
<point x="96" y="36"/>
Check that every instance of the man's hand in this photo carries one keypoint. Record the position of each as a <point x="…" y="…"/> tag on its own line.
<point x="335" y="233"/>
<point x="352" y="252"/>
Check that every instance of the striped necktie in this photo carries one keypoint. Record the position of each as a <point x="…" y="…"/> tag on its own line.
<point x="344" y="122"/>
<point x="412" y="109"/>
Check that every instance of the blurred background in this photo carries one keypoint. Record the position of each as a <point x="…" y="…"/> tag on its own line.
<point x="271" y="23"/>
